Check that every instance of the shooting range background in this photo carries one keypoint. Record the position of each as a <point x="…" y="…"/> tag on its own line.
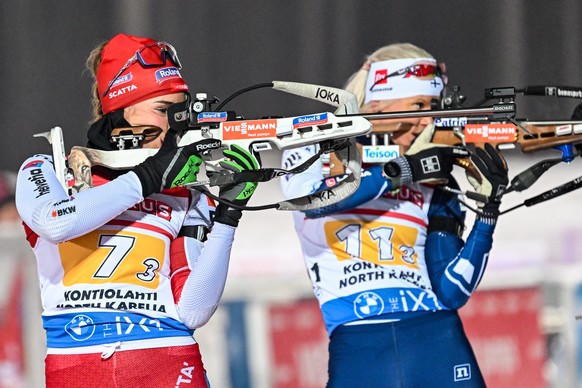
<point x="229" y="45"/>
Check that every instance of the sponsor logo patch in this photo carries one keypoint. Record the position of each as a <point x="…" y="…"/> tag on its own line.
<point x="430" y="164"/>
<point x="167" y="73"/>
<point x="252" y="129"/>
<point x="64" y="211"/>
<point x="450" y="121"/>
<point x="462" y="372"/>
<point x="34" y="163"/>
<point x="213" y="117"/>
<point x="488" y="133"/>
<point x="80" y="328"/>
<point x="122" y="79"/>
<point x="380" y="76"/>
<point x="330" y="182"/>
<point x="37" y="177"/>
<point x="368" y="304"/>
<point x="305" y="121"/>
<point x="379" y="154"/>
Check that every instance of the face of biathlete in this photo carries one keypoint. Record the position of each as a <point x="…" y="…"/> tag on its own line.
<point x="404" y="130"/>
<point x="153" y="112"/>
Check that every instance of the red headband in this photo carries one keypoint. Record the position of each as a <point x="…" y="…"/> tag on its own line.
<point x="136" y="83"/>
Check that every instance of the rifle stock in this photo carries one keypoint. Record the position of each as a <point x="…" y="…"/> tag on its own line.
<point x="530" y="136"/>
<point x="527" y="136"/>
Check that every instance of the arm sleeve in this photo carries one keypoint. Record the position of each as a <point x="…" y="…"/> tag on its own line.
<point x="298" y="185"/>
<point x="455" y="268"/>
<point x="45" y="206"/>
<point x="199" y="273"/>
<point x="372" y="184"/>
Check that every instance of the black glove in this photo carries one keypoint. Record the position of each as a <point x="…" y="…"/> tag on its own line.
<point x="171" y="166"/>
<point x="434" y="163"/>
<point x="494" y="178"/>
<point x="424" y="162"/>
<point x="238" y="159"/>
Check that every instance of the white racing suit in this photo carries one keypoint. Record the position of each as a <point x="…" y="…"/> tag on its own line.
<point x="107" y="278"/>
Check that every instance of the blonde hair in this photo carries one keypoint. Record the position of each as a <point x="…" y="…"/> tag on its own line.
<point x="357" y="81"/>
<point x="92" y="63"/>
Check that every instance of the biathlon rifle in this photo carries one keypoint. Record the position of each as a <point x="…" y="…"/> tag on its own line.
<point x="198" y="121"/>
<point x="195" y="121"/>
<point x="497" y="125"/>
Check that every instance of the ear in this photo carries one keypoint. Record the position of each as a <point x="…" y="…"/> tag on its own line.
<point x="128" y="113"/>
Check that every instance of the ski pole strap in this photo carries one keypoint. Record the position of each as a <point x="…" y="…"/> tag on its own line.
<point x="550" y="194"/>
<point x="555" y="192"/>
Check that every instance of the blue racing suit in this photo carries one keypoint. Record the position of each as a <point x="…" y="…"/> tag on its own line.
<point x="381" y="260"/>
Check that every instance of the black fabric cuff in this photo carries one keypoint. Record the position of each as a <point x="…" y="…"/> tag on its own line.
<point x="199" y="232"/>
<point x="146" y="179"/>
<point x="489" y="213"/>
<point x="227" y="215"/>
<point x="445" y="224"/>
<point x="405" y="170"/>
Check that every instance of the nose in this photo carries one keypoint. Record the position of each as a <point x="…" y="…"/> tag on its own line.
<point x="426" y="121"/>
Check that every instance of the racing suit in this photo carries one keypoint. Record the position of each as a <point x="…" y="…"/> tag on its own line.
<point x="124" y="280"/>
<point x="389" y="270"/>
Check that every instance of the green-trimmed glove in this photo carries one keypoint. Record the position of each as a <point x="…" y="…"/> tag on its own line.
<point x="171" y="166"/>
<point x="238" y="159"/>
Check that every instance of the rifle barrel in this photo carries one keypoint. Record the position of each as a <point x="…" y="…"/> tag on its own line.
<point x="490" y="110"/>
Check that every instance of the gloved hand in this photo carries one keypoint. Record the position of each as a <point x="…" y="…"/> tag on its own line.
<point x="494" y="178"/>
<point x="238" y="159"/>
<point x="424" y="162"/>
<point x="171" y="166"/>
<point x="422" y="141"/>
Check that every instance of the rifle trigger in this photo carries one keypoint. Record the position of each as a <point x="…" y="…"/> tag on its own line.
<point x="513" y="121"/>
<point x="458" y="131"/>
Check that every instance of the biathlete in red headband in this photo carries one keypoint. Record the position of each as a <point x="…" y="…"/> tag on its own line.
<point x="131" y="263"/>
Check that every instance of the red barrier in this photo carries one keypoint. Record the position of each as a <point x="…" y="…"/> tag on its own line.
<point x="11" y="340"/>
<point x="298" y="345"/>
<point x="504" y="328"/>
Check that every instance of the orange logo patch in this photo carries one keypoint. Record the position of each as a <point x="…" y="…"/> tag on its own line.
<point x="490" y="133"/>
<point x="250" y="129"/>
